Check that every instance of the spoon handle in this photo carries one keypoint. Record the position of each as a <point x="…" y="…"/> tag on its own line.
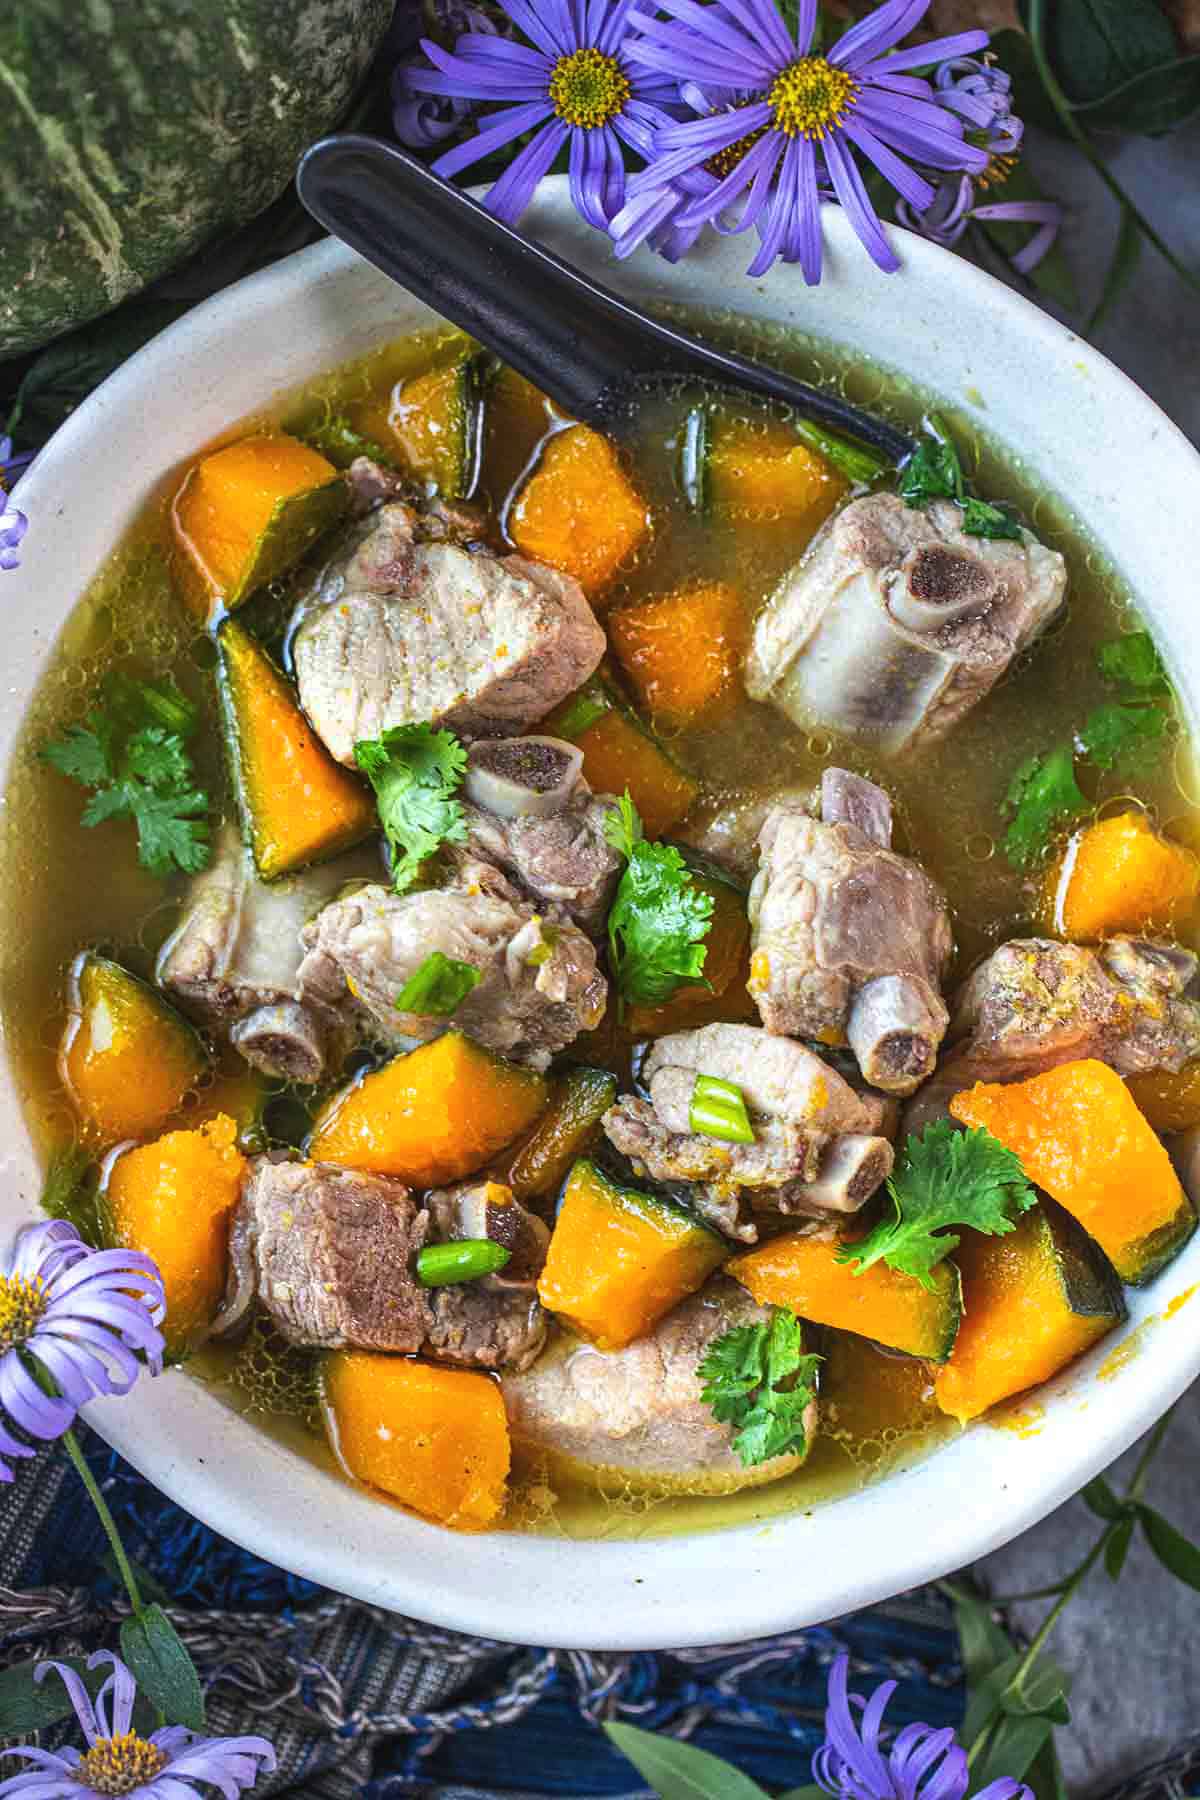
<point x="589" y="350"/>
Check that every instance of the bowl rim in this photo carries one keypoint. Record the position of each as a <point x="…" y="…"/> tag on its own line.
<point x="627" y="1593"/>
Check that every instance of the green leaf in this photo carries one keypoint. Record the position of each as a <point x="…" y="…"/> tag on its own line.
<point x="27" y="1705"/>
<point x="757" y="1378"/>
<point x="1117" y="1548"/>
<point x="1121" y="268"/>
<point x="1042" y="1694"/>
<point x="981" y="519"/>
<point x="416" y="773"/>
<point x="987" y="1702"/>
<point x="1099" y="1498"/>
<point x="164" y="1671"/>
<point x="933" y="471"/>
<point x="678" y="1771"/>
<point x="1176" y="1553"/>
<point x="945" y="1177"/>
<point x="983" y="1644"/>
<point x="1152" y="103"/>
<point x="659" y="918"/>
<point x="1044" y="1774"/>
<point x="149" y="1586"/>
<point x="1133" y="662"/>
<point x="1042" y="797"/>
<point x="1096" y="46"/>
<point x="438" y="987"/>
<point x="1012" y="1750"/>
<point x="1122" y="736"/>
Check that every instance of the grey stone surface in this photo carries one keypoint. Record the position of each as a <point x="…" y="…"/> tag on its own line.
<point x="1131" y="1648"/>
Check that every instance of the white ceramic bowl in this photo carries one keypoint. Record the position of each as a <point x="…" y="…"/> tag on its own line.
<point x="1135" y="483"/>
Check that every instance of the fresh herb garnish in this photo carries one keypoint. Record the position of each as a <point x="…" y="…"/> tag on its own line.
<point x="757" y="1378"/>
<point x="416" y="772"/>
<point x="659" y="918"/>
<point x="1042" y="796"/>
<point x="1133" y="663"/>
<point x="934" y="472"/>
<point x="463" y="1259"/>
<point x="438" y="987"/>
<point x="131" y="750"/>
<point x="1123" y="736"/>
<point x="717" y="1109"/>
<point x="945" y="1177"/>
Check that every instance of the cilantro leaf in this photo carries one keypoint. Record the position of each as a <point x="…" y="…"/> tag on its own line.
<point x="1119" y="735"/>
<point x="934" y="471"/>
<point x="981" y="519"/>
<point x="944" y="1177"/>
<point x="131" y="751"/>
<point x="659" y="918"/>
<point x="439" y="986"/>
<point x="1133" y="662"/>
<point x="1042" y="796"/>
<point x="757" y="1378"/>
<point x="416" y="772"/>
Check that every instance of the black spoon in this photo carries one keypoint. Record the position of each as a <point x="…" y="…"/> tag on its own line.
<point x="589" y="350"/>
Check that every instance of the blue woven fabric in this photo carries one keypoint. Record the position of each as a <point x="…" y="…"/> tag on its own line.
<point x="758" y="1705"/>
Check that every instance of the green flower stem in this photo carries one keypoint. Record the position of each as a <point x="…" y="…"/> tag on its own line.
<point x="1071" y="125"/>
<point x="106" y="1519"/>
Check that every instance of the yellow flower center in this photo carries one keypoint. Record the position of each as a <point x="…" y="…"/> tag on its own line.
<point x="997" y="172"/>
<point x="810" y="97"/>
<point x="725" y="161"/>
<point x="119" y="1765"/>
<point x="22" y="1303"/>
<point x="588" y="88"/>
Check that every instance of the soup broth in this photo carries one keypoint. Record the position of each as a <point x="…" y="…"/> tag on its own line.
<point x="67" y="888"/>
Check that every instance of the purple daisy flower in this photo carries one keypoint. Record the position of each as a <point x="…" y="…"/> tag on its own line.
<point x="923" y="1764"/>
<point x="82" y="1317"/>
<point x="571" y="84"/>
<point x="167" y="1765"/>
<point x="13" y="523"/>
<point x="981" y="94"/>
<point x="793" y="136"/>
<point x="423" y="120"/>
<point x="954" y="208"/>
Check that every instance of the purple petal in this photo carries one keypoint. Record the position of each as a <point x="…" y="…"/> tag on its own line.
<point x="922" y="56"/>
<point x="555" y="34"/>
<point x="460" y="79"/>
<point x="952" y="1779"/>
<point x="511" y="124"/>
<point x="640" y="217"/>
<point x="29" y="1408"/>
<point x="514" y="190"/>
<point x="767" y="150"/>
<point x="763" y="24"/>
<point x="696" y="142"/>
<point x="77" y="1694"/>
<point x="917" y="1749"/>
<point x="760" y="194"/>
<point x="1005" y="1789"/>
<point x="120" y="1688"/>
<point x="1027" y="212"/>
<point x="597" y="176"/>
<point x="939" y="148"/>
<point x="607" y="24"/>
<point x="776" y="223"/>
<point x="722" y="52"/>
<point x="878" y="31"/>
<point x="913" y="187"/>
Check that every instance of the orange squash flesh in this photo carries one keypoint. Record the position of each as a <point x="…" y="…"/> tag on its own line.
<point x="803" y="1273"/>
<point x="1079" y="1135"/>
<point x="127" y="1059"/>
<point x="620" y="1259"/>
<point x="1121" y="875"/>
<point x="681" y="652"/>
<point x="767" y="476"/>
<point x="517" y="418"/>
<point x="298" y="805"/>
<point x="1033" y="1300"/>
<point x="436" y="1115"/>
<point x="578" y="510"/>
<point x="173" y="1199"/>
<point x="618" y="754"/>
<point x="247" y="513"/>
<point x="432" y="423"/>
<point x="726" y="969"/>
<point x="435" y="1439"/>
<point x="1169" y="1099"/>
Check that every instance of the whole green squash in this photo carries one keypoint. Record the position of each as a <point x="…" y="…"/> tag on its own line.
<point x="135" y="130"/>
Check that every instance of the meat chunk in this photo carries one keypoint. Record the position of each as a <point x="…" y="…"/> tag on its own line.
<point x="331" y="1254"/>
<point x="637" y="1413"/>
<point x="497" y="1321"/>
<point x="233" y="962"/>
<point x="371" y="486"/>
<point x="399" y="629"/>
<point x="1035" y="1003"/>
<point x="531" y="814"/>
<point x="819" y="1146"/>
<point x="727" y="832"/>
<point x="895" y="623"/>
<point x="850" y="941"/>
<point x="540" y="985"/>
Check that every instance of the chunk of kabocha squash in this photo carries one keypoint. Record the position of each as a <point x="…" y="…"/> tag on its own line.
<point x="298" y="806"/>
<point x="1120" y="874"/>
<point x="620" y="1258"/>
<point x="127" y="1059"/>
<point x="579" y="1099"/>
<point x="1034" y="1299"/>
<point x="1079" y="1136"/>
<point x="619" y="753"/>
<point x="432" y="423"/>
<point x="763" y="474"/>
<point x="434" y="1439"/>
<point x="247" y="514"/>
<point x="804" y="1274"/>
<point x="578" y="510"/>
<point x="437" y="1114"/>
<point x="172" y="1199"/>
<point x="681" y="651"/>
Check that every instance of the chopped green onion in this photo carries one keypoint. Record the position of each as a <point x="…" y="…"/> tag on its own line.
<point x="543" y="951"/>
<point x="588" y="705"/>
<point x="718" y="1110"/>
<point x="855" y="461"/>
<point x="464" y="1259"/>
<point x="438" y="987"/>
<point x="693" y="459"/>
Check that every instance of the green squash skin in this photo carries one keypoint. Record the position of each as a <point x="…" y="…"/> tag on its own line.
<point x="133" y="133"/>
<point x="1091" y="1286"/>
